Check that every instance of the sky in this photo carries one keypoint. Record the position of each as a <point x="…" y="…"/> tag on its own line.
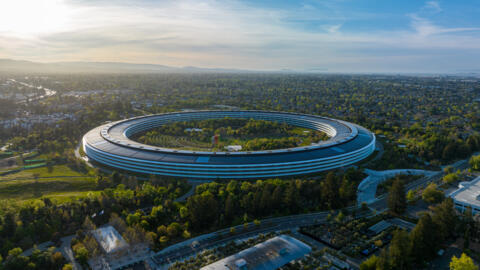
<point x="359" y="36"/>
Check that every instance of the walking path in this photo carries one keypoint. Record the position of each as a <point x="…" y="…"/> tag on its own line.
<point x="368" y="187"/>
<point x="67" y="252"/>
<point x="65" y="249"/>
<point x="194" y="184"/>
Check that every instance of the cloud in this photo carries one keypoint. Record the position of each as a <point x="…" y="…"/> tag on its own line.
<point x="233" y="34"/>
<point x="334" y="28"/>
<point x="424" y="27"/>
<point x="433" y="6"/>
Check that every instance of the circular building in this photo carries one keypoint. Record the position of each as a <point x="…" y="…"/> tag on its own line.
<point x="110" y="145"/>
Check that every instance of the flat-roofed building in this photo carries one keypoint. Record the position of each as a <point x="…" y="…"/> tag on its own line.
<point x="467" y="195"/>
<point x="271" y="254"/>
<point x="109" y="239"/>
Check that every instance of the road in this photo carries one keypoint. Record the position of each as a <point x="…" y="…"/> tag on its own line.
<point x="189" y="247"/>
<point x="65" y="249"/>
<point x="48" y="92"/>
<point x="192" y="246"/>
<point x="368" y="187"/>
<point x="380" y="203"/>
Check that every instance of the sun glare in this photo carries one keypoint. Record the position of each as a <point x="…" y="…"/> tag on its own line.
<point x="26" y="18"/>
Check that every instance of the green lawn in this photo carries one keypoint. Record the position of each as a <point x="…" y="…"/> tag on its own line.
<point x="61" y="197"/>
<point x="62" y="184"/>
<point x="30" y="189"/>
<point x="58" y="170"/>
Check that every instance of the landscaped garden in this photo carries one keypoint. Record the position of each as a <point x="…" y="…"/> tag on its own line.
<point x="351" y="237"/>
<point x="217" y="134"/>
<point x="313" y="260"/>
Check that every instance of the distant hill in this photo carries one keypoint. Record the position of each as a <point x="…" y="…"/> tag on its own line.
<point x="20" y="66"/>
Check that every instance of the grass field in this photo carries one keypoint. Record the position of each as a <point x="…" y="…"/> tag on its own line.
<point x="62" y="184"/>
<point x="58" y="170"/>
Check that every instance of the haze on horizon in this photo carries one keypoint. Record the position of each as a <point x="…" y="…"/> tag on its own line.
<point x="334" y="35"/>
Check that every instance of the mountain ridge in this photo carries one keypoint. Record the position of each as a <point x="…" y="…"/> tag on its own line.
<point x="16" y="66"/>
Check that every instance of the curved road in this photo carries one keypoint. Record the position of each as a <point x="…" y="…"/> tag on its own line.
<point x="191" y="246"/>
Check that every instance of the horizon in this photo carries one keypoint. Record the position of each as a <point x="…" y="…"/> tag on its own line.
<point x="76" y="67"/>
<point x="426" y="37"/>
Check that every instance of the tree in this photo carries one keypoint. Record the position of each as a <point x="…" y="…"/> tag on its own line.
<point x="203" y="211"/>
<point x="57" y="259"/>
<point x="431" y="194"/>
<point x="399" y="251"/>
<point x="330" y="192"/>
<point x="277" y="198"/>
<point x="230" y="208"/>
<point x="88" y="225"/>
<point x="266" y="200"/>
<point x="370" y="263"/>
<point x="449" y="151"/>
<point x="81" y="253"/>
<point x="340" y="217"/>
<point x="15" y="260"/>
<point x="475" y="162"/>
<point x="174" y="229"/>
<point x="67" y="267"/>
<point x="445" y="218"/>
<point x="163" y="240"/>
<point x="383" y="262"/>
<point x="347" y="189"/>
<point x="411" y="195"/>
<point x="232" y="186"/>
<point x="450" y="178"/>
<point x="291" y="199"/>
<point x="396" y="197"/>
<point x="462" y="263"/>
<point x="424" y="240"/>
<point x="9" y="224"/>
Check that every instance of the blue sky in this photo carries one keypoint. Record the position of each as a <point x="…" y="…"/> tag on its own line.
<point x="337" y="35"/>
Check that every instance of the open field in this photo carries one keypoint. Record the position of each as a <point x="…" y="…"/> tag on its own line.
<point x="29" y="189"/>
<point x="59" y="170"/>
<point x="61" y="183"/>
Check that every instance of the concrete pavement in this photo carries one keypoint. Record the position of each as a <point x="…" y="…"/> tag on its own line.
<point x="67" y="252"/>
<point x="368" y="187"/>
<point x="187" y="248"/>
